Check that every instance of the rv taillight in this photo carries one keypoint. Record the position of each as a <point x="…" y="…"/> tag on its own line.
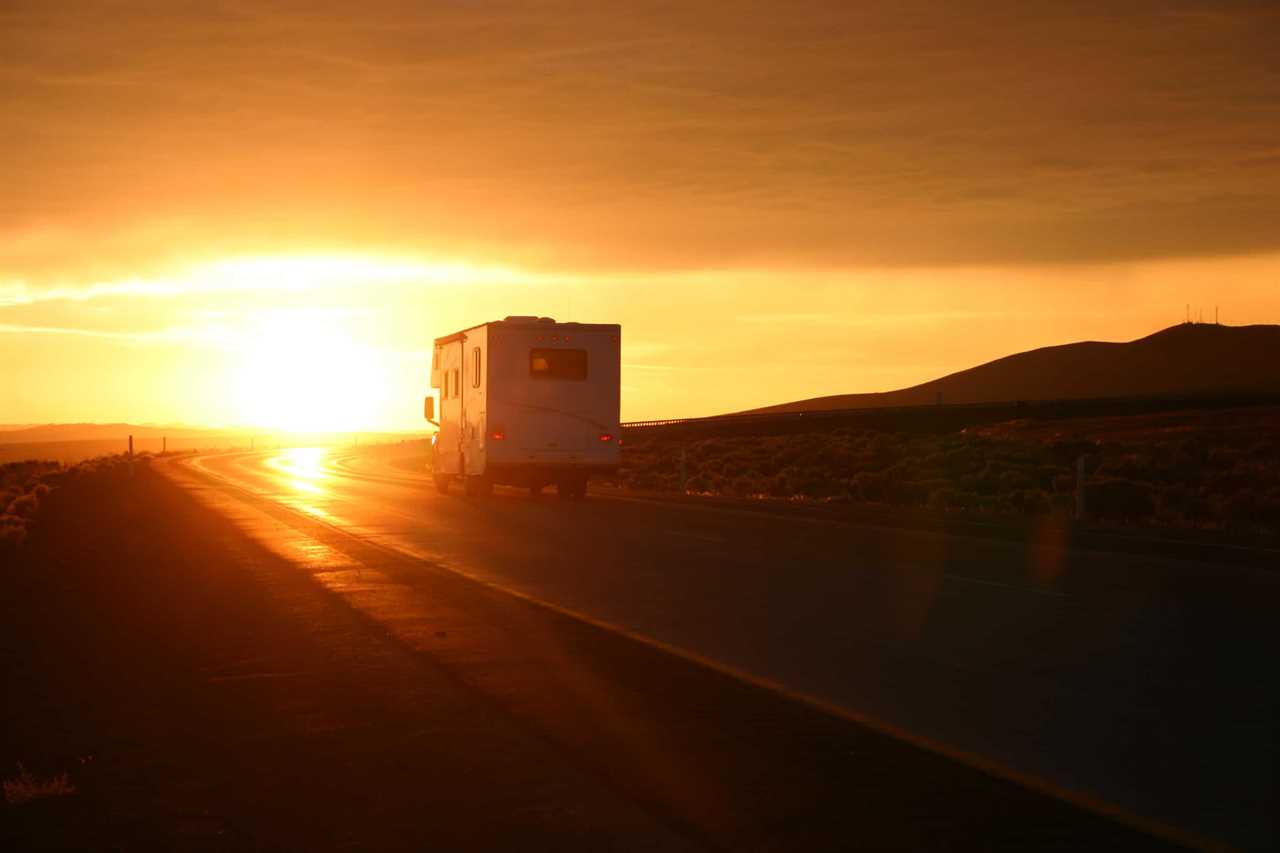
<point x="498" y="434"/>
<point x="604" y="436"/>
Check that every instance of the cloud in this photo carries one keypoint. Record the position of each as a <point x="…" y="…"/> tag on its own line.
<point x="850" y="319"/>
<point x="631" y="136"/>
<point x="184" y="335"/>
<point x="288" y="273"/>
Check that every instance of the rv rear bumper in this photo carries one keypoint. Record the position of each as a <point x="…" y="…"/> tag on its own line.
<point x="540" y="473"/>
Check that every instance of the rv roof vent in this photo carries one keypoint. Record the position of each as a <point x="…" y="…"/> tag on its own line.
<point x="546" y="319"/>
<point x="520" y="318"/>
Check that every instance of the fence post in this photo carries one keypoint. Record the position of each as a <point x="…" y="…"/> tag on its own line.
<point x="1080" y="476"/>
<point x="131" y="455"/>
<point x="164" y="444"/>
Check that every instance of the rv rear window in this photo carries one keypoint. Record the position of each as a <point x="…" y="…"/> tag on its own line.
<point x="558" y="363"/>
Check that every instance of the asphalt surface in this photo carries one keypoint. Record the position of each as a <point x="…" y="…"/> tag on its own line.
<point x="1137" y="687"/>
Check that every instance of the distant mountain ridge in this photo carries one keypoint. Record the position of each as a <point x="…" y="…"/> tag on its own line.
<point x="88" y="432"/>
<point x="1190" y="358"/>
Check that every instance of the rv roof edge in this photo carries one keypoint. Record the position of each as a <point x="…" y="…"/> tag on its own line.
<point x="520" y="318"/>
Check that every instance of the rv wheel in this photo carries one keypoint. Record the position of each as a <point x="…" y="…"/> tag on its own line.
<point x="572" y="490"/>
<point x="442" y="483"/>
<point x="479" y="487"/>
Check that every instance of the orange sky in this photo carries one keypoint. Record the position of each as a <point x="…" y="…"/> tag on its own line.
<point x="265" y="213"/>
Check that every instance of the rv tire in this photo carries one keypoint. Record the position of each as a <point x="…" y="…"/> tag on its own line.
<point x="573" y="489"/>
<point x="442" y="483"/>
<point x="479" y="486"/>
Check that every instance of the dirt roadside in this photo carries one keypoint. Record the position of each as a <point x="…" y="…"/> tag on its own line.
<point x="205" y="694"/>
<point x="202" y="695"/>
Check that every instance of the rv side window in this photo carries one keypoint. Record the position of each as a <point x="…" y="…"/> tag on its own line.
<point x="475" y="368"/>
<point x="457" y="386"/>
<point x="558" y="363"/>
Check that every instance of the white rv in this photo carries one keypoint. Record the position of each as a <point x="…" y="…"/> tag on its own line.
<point x="526" y="401"/>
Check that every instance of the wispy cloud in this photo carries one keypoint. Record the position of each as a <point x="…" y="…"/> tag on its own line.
<point x="186" y="335"/>
<point x="271" y="273"/>
<point x="871" y="319"/>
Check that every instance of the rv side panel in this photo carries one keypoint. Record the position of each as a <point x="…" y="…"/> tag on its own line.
<point x="475" y="392"/>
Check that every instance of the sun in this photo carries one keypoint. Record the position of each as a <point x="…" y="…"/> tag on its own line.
<point x="301" y="371"/>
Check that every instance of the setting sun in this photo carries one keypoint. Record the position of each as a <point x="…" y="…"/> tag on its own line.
<point x="302" y="371"/>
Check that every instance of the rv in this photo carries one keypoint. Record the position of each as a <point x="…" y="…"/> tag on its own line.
<point x="528" y="402"/>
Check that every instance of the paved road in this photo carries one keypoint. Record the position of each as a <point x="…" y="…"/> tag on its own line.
<point x="1143" y="684"/>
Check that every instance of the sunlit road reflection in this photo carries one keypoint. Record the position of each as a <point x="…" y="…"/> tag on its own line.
<point x="302" y="469"/>
<point x="1136" y="679"/>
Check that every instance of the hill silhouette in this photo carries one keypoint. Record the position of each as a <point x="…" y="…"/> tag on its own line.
<point x="1190" y="358"/>
<point x="99" y="432"/>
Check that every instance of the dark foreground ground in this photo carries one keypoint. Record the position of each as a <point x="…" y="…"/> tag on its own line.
<point x="203" y="694"/>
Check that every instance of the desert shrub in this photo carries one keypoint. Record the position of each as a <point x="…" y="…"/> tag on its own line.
<point x="871" y="486"/>
<point x="1014" y="479"/>
<point x="25" y="787"/>
<point x="1066" y="452"/>
<point x="745" y="486"/>
<point x="985" y="482"/>
<point x="1123" y="500"/>
<point x="23" y="488"/>
<point x="1126" y="466"/>
<point x="1224" y="457"/>
<point x="1265" y="451"/>
<point x="1184" y="503"/>
<point x="13" y="530"/>
<point x="1028" y="501"/>
<point x="948" y="498"/>
<point x="907" y="492"/>
<point x="1249" y="508"/>
<point x="810" y="480"/>
<point x="23" y="506"/>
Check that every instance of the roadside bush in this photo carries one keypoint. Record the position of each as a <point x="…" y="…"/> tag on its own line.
<point x="1028" y="501"/>
<point x="13" y="530"/>
<point x="1182" y="469"/>
<point x="1121" y="500"/>
<point x="871" y="486"/>
<point x="23" y="487"/>
<point x="947" y="498"/>
<point x="1066" y="452"/>
<point x="1184" y="504"/>
<point x="23" y="506"/>
<point x="1013" y="480"/>
<point x="1249" y="508"/>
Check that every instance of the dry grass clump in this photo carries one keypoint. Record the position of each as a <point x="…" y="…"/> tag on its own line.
<point x="23" y="488"/>
<point x="25" y="787"/>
